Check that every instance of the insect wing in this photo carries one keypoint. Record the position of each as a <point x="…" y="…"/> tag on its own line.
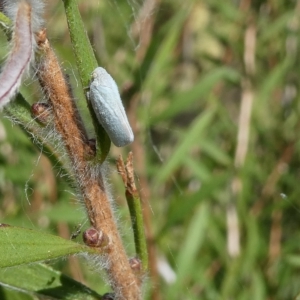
<point x="108" y="107"/>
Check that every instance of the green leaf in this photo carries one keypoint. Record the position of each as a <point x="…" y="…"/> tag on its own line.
<point x="42" y="280"/>
<point x="278" y="26"/>
<point x="182" y="101"/>
<point x="163" y="55"/>
<point x="193" y="241"/>
<point x="212" y="150"/>
<point x="194" y="238"/>
<point x="178" y="213"/>
<point x="21" y="246"/>
<point x="199" y="169"/>
<point x="293" y="260"/>
<point x="193" y="136"/>
<point x="5" y="24"/>
<point x="64" y="212"/>
<point x="227" y="10"/>
<point x="274" y="79"/>
<point x="8" y="294"/>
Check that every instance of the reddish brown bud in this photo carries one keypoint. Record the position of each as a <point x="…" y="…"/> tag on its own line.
<point x="92" y="144"/>
<point x="91" y="148"/>
<point x="95" y="238"/>
<point x="41" y="37"/>
<point x="41" y="111"/>
<point x="135" y="264"/>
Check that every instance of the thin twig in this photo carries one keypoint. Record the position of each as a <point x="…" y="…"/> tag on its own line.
<point x="140" y="162"/>
<point x="135" y="209"/>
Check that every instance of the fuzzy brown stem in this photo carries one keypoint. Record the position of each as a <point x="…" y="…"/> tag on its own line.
<point x="69" y="125"/>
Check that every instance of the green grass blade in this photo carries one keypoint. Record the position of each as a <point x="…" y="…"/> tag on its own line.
<point x="193" y="136"/>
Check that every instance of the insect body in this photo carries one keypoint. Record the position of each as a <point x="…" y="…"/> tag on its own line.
<point x="107" y="104"/>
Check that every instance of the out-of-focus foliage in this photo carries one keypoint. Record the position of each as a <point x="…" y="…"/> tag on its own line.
<point x="225" y="224"/>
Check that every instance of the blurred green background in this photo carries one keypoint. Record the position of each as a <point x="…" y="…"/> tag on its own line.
<point x="212" y="92"/>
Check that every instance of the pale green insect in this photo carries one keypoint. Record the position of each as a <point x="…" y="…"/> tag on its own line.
<point x="107" y="104"/>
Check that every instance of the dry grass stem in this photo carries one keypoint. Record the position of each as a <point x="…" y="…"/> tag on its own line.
<point x="233" y="235"/>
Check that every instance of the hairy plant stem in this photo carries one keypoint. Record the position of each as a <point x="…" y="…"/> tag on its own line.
<point x="89" y="180"/>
